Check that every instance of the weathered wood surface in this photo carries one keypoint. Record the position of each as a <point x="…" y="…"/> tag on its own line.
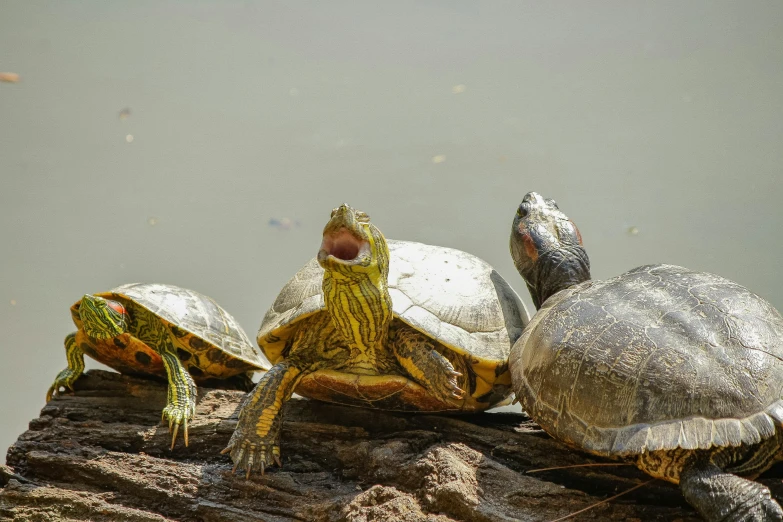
<point x="101" y="455"/>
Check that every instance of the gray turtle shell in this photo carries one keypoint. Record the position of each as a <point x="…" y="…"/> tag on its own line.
<point x="658" y="358"/>
<point x="196" y="314"/>
<point x="450" y="295"/>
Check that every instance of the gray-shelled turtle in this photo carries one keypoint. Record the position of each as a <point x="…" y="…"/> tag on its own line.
<point x="679" y="371"/>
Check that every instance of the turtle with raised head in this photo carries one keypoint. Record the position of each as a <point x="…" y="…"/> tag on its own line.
<point x="395" y="325"/>
<point x="164" y="331"/>
<point x="680" y="372"/>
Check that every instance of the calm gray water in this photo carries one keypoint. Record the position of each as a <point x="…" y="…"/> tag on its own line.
<point x="657" y="127"/>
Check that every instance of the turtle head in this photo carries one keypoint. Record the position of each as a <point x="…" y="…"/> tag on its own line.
<point x="351" y="244"/>
<point x="355" y="259"/>
<point x="102" y="319"/>
<point x="547" y="248"/>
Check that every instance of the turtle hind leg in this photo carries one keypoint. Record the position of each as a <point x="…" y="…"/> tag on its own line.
<point x="181" y="403"/>
<point x="725" y="497"/>
<point x="65" y="379"/>
<point x="416" y="353"/>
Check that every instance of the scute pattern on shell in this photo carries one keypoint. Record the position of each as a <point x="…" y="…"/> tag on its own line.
<point x="195" y="313"/>
<point x="453" y="296"/>
<point x="658" y="358"/>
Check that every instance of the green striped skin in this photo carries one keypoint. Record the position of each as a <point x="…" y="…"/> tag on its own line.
<point x="354" y="337"/>
<point x="117" y="329"/>
<point x="102" y="320"/>
<point x="355" y="293"/>
<point x="68" y="376"/>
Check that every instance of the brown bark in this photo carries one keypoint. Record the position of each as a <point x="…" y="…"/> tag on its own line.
<point x="101" y="455"/>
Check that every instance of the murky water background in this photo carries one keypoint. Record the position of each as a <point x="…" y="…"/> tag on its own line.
<point x="204" y="144"/>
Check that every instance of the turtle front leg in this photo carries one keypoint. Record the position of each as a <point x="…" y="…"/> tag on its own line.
<point x="181" y="403"/>
<point x="721" y="496"/>
<point x="255" y="443"/>
<point x="65" y="379"/>
<point x="416" y="353"/>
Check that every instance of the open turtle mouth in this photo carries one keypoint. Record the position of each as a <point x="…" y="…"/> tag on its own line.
<point x="344" y="246"/>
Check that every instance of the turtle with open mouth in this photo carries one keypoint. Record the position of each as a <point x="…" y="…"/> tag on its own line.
<point x="394" y="325"/>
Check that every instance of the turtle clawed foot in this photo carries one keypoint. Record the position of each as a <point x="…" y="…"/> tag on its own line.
<point x="177" y="416"/>
<point x="447" y="389"/>
<point x="65" y="379"/>
<point x="251" y="456"/>
<point x="54" y="391"/>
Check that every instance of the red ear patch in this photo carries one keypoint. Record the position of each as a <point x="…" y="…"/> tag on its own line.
<point x="578" y="234"/>
<point x="530" y="247"/>
<point x="117" y="307"/>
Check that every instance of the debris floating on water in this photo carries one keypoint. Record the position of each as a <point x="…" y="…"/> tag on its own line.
<point x="13" y="302"/>
<point x="440" y="158"/>
<point x="284" y="223"/>
<point x="129" y="138"/>
<point x="124" y="113"/>
<point x="458" y="89"/>
<point x="633" y="231"/>
<point x="152" y="221"/>
<point x="9" y="77"/>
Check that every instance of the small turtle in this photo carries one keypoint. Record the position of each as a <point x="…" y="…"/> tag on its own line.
<point x="159" y="330"/>
<point x="679" y="371"/>
<point x="397" y="326"/>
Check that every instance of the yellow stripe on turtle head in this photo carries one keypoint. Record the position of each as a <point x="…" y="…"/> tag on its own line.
<point x="355" y="259"/>
<point x="102" y="319"/>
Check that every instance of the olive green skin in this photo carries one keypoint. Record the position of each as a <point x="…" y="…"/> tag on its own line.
<point x="455" y="298"/>
<point x="209" y="341"/>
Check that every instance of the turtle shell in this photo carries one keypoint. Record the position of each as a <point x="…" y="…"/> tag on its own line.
<point x="658" y="358"/>
<point x="208" y="339"/>
<point x="454" y="297"/>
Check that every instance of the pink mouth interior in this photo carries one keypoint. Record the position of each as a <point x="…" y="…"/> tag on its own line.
<point x="342" y="245"/>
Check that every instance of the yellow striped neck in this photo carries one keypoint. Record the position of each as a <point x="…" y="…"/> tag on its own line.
<point x="361" y="309"/>
<point x="356" y="293"/>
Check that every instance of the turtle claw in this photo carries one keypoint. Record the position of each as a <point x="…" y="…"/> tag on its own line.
<point x="179" y="415"/>
<point x="252" y="456"/>
<point x="174" y="436"/>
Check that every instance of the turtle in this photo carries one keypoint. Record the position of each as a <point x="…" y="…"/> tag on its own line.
<point x="393" y="325"/>
<point x="163" y="331"/>
<point x="678" y="371"/>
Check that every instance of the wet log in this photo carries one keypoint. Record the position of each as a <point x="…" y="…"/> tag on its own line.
<point x="101" y="455"/>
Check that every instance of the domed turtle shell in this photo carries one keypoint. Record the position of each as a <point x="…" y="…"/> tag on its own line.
<point x="658" y="358"/>
<point x="454" y="297"/>
<point x="209" y="338"/>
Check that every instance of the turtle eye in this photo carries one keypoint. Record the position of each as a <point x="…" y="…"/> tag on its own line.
<point x="362" y="217"/>
<point x="334" y="211"/>
<point x="522" y="211"/>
